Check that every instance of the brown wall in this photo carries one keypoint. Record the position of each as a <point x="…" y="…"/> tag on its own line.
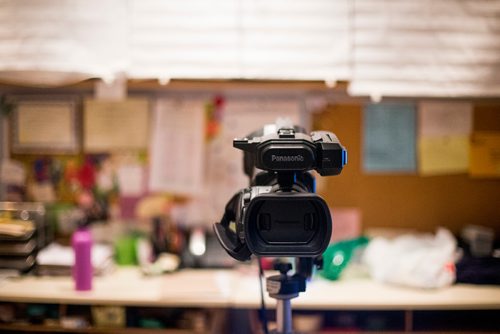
<point x="407" y="201"/>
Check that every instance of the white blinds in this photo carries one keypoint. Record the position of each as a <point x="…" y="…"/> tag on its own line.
<point x="57" y="41"/>
<point x="383" y="47"/>
<point x="240" y="39"/>
<point x="426" y="48"/>
<point x="301" y="39"/>
<point x="185" y="39"/>
<point x="174" y="39"/>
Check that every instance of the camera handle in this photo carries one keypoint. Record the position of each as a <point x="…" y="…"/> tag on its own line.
<point x="284" y="288"/>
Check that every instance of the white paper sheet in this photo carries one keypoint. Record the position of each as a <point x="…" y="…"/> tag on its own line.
<point x="242" y="116"/>
<point x="131" y="181"/>
<point x="42" y="192"/>
<point x="438" y="119"/>
<point x="12" y="172"/>
<point x="177" y="148"/>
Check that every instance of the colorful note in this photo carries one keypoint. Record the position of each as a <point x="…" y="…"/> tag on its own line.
<point x="485" y="155"/>
<point x="444" y="134"/>
<point x="389" y="137"/>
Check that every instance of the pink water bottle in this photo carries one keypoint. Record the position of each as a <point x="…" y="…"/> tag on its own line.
<point x="82" y="268"/>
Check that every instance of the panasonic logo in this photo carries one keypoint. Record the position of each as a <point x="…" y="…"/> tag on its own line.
<point x="287" y="158"/>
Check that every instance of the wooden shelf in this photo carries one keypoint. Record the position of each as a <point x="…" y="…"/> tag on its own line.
<point x="57" y="329"/>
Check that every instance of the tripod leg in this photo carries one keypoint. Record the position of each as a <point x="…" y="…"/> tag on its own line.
<point x="284" y="316"/>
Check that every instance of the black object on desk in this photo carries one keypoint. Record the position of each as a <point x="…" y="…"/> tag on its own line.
<point x="18" y="253"/>
<point x="478" y="270"/>
<point x="23" y="232"/>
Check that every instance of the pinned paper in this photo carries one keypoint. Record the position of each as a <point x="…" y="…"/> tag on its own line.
<point x="12" y="172"/>
<point x="105" y="176"/>
<point x="444" y="132"/>
<point x="45" y="125"/>
<point x="42" y="192"/>
<point x="443" y="155"/>
<point x="131" y="180"/>
<point x="177" y="148"/>
<point x="389" y="137"/>
<point x="485" y="154"/>
<point x="242" y="116"/>
<point x="437" y="119"/>
<point x="116" y="125"/>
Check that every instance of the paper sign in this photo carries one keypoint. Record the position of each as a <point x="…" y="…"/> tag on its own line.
<point x="485" y="154"/>
<point x="42" y="192"/>
<point x="116" y="125"/>
<point x="437" y="119"/>
<point x="443" y="155"/>
<point x="177" y="148"/>
<point x="45" y="125"/>
<point x="12" y="172"/>
<point x="225" y="163"/>
<point x="443" y="144"/>
<point x="389" y="138"/>
<point x="131" y="180"/>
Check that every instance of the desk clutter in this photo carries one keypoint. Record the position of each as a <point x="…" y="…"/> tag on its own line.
<point x="161" y="248"/>
<point x="415" y="260"/>
<point x="23" y="232"/>
<point x="130" y="195"/>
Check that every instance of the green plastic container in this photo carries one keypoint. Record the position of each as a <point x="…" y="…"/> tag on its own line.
<point x="338" y="255"/>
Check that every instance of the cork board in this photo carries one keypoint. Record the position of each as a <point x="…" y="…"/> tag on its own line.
<point x="405" y="201"/>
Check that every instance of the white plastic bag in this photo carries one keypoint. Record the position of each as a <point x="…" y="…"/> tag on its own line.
<point x="423" y="261"/>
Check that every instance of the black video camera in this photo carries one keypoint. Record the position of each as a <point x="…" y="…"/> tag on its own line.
<point x="279" y="214"/>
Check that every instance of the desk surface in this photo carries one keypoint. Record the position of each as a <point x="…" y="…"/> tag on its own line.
<point x="127" y="286"/>
<point x="227" y="288"/>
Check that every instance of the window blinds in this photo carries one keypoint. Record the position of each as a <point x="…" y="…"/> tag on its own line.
<point x="426" y="48"/>
<point x="383" y="47"/>
<point x="240" y="39"/>
<point x="60" y="41"/>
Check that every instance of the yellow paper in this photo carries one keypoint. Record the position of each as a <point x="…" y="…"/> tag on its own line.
<point x="485" y="154"/>
<point x="116" y="125"/>
<point x="443" y="155"/>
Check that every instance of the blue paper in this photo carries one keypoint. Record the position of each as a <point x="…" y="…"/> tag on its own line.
<point x="389" y="137"/>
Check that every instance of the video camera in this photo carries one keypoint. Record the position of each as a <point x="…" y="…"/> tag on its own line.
<point x="279" y="215"/>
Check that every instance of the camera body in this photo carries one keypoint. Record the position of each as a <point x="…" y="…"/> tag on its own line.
<point x="279" y="214"/>
<point x="290" y="149"/>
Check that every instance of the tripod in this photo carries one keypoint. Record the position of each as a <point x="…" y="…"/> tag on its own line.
<point x="284" y="288"/>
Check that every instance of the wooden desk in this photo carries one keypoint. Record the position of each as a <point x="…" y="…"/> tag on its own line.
<point x="128" y="287"/>
<point x="365" y="294"/>
<point x="232" y="289"/>
<point x="219" y="290"/>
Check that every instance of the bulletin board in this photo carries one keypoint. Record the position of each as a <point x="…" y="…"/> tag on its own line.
<point x="407" y="201"/>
